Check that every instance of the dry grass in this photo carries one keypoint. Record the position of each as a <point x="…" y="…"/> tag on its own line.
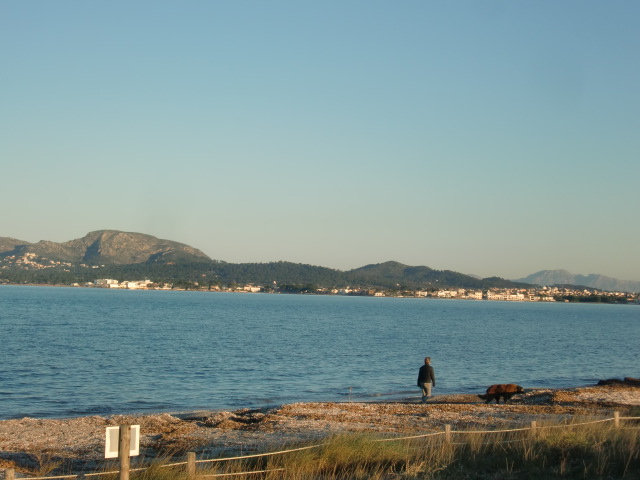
<point x="554" y="451"/>
<point x="585" y="451"/>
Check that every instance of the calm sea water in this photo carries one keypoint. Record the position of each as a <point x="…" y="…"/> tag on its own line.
<point x="69" y="352"/>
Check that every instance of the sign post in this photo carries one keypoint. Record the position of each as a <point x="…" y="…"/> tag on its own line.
<point x="123" y="442"/>
<point x="123" y="451"/>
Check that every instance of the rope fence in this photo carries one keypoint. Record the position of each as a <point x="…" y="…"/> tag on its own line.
<point x="191" y="462"/>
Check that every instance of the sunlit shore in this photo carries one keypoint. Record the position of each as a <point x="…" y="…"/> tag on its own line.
<point x="78" y="443"/>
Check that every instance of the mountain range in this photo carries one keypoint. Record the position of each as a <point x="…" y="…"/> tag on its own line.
<point x="106" y="247"/>
<point x="124" y="253"/>
<point x="562" y="277"/>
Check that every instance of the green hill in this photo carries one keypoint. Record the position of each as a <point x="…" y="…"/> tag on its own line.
<point x="136" y="256"/>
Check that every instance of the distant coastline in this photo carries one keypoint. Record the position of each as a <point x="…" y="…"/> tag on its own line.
<point x="112" y="254"/>
<point x="544" y="294"/>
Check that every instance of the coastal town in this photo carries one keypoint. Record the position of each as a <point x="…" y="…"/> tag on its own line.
<point x="534" y="294"/>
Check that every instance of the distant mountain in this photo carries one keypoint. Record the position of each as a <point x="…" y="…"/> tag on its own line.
<point x="562" y="277"/>
<point x="107" y="247"/>
<point x="394" y="273"/>
<point x="126" y="255"/>
<point x="8" y="244"/>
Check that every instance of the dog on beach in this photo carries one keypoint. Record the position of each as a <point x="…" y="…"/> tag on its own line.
<point x="506" y="391"/>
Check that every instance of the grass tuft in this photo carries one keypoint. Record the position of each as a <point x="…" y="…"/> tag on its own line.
<point x="596" y="451"/>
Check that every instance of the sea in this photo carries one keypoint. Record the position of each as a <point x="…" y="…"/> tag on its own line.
<point x="68" y="352"/>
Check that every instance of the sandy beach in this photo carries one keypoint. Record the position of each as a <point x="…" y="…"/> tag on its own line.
<point x="73" y="445"/>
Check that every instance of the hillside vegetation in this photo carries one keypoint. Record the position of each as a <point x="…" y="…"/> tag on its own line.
<point x="136" y="256"/>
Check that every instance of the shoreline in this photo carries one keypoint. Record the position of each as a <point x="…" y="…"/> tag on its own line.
<point x="391" y="398"/>
<point x="77" y="444"/>
<point x="403" y="397"/>
<point x="633" y="298"/>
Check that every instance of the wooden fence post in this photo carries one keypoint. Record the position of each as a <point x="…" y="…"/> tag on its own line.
<point x="616" y="419"/>
<point x="191" y="465"/>
<point x="9" y="474"/>
<point x="447" y="433"/>
<point x="534" y="428"/>
<point x="124" y="447"/>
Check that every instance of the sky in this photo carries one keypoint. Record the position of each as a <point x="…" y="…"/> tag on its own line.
<point x="493" y="138"/>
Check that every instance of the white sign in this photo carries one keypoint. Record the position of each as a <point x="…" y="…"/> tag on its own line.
<point x="113" y="439"/>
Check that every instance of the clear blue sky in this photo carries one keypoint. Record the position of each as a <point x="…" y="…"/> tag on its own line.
<point x="486" y="137"/>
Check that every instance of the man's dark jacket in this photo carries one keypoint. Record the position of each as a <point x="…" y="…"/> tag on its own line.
<point x="426" y="375"/>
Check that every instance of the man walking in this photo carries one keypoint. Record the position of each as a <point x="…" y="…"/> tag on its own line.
<point x="426" y="379"/>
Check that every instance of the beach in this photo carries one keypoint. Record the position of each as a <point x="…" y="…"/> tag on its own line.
<point x="76" y="445"/>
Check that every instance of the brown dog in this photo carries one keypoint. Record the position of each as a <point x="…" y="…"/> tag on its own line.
<point x="506" y="391"/>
